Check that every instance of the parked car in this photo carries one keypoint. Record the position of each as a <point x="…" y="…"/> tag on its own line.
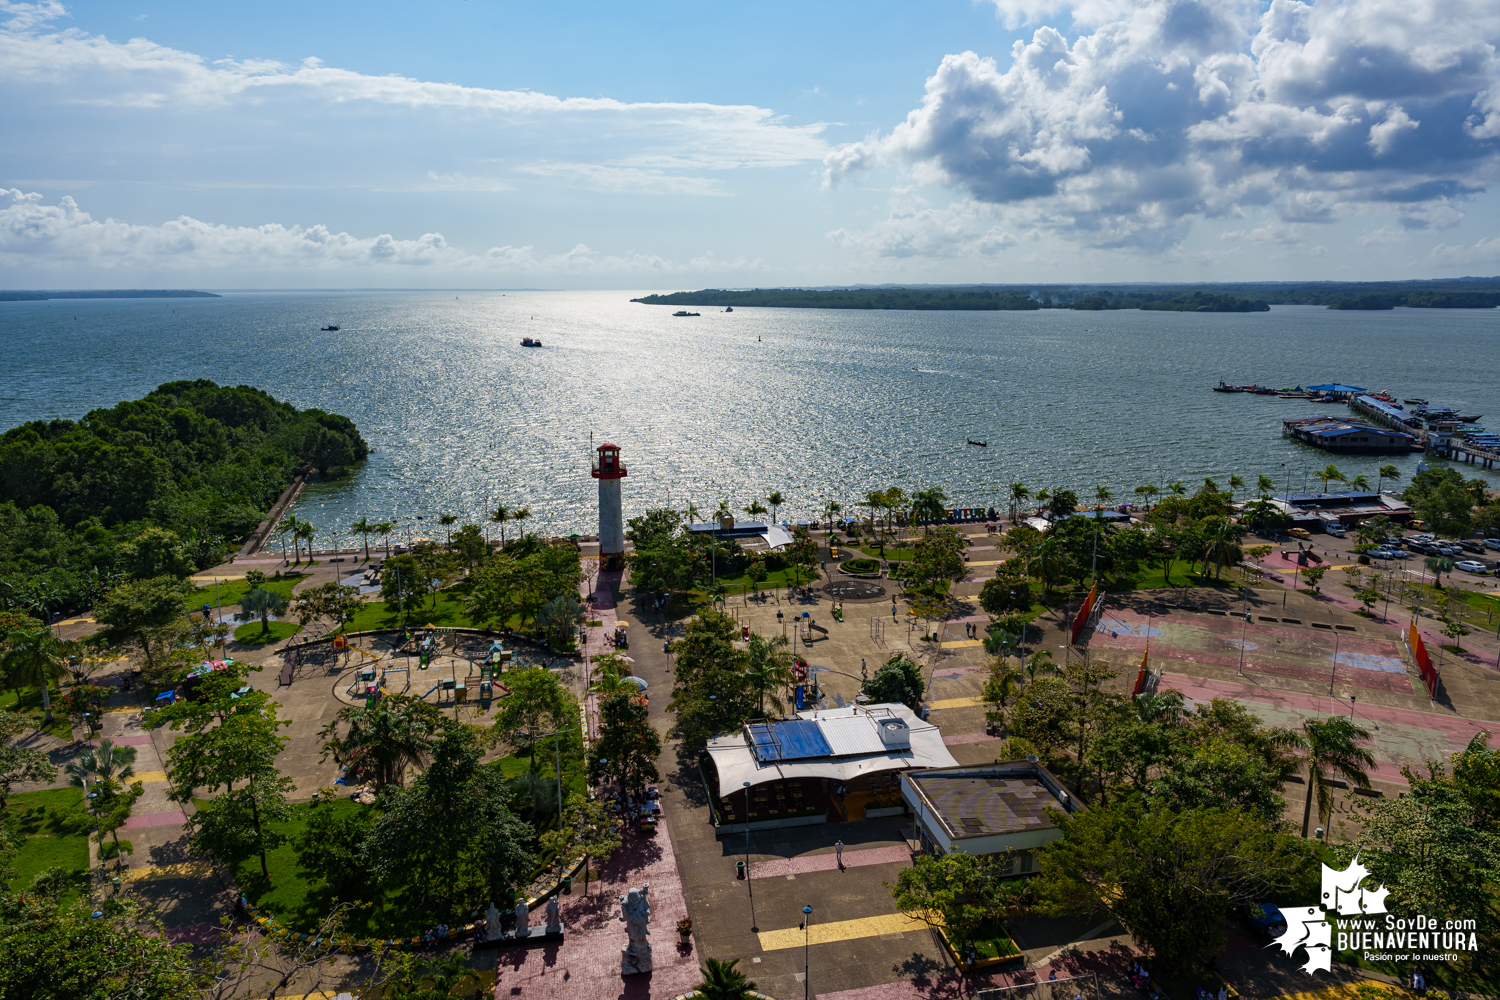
<point x="1451" y="548"/>
<point x="1299" y="533"/>
<point x="1424" y="538"/>
<point x="1265" y="920"/>
<point x="1335" y="529"/>
<point x="1470" y="545"/>
<point x="1471" y="566"/>
<point x="1419" y="524"/>
<point x="1492" y="543"/>
<point x="1389" y="554"/>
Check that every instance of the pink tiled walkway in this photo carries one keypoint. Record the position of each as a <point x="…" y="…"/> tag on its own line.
<point x="782" y="867"/>
<point x="174" y="817"/>
<point x="587" y="963"/>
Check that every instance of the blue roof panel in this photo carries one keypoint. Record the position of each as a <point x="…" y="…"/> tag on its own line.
<point x="793" y="740"/>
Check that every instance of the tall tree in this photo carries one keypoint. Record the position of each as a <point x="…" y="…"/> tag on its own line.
<point x="1330" y="474"/>
<point x="264" y="604"/>
<point x="1018" y="493"/>
<point x="768" y="668"/>
<point x="447" y="521"/>
<point x="363" y="527"/>
<point x="1169" y="877"/>
<point x="384" y="529"/>
<point x="38" y="658"/>
<point x="775" y="500"/>
<point x="20" y="764"/>
<point x="628" y="744"/>
<point x="538" y="704"/>
<point x="1332" y="746"/>
<point x="101" y="764"/>
<point x="137" y="611"/>
<point x="1387" y="472"/>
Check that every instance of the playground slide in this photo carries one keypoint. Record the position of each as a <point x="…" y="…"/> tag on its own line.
<point x="435" y="687"/>
<point x="361" y="652"/>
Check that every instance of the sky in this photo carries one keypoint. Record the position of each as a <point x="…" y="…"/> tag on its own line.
<point x="671" y="145"/>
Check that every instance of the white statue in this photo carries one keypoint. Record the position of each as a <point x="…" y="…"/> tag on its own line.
<point x="554" y="917"/>
<point x="523" y="919"/>
<point x="492" y="924"/>
<point x="635" y="911"/>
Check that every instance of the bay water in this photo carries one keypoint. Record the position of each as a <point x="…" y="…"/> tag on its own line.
<point x="817" y="404"/>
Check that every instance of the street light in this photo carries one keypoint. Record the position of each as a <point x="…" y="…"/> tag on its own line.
<point x="806" y="942"/>
<point x="748" y="883"/>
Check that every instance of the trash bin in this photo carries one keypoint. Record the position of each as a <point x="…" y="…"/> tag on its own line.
<point x="567" y="885"/>
<point x="739" y="869"/>
<point x="666" y="647"/>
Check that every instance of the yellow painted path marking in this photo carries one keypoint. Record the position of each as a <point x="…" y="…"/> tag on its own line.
<point x="839" y="930"/>
<point x="962" y="643"/>
<point x="147" y="777"/>
<point x="968" y="702"/>
<point x="185" y="869"/>
<point x="1341" y="991"/>
<point x="122" y="709"/>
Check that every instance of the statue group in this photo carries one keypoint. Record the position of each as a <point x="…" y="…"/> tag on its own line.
<point x="635" y="911"/>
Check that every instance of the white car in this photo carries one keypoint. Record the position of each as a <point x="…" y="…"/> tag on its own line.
<point x="1389" y="554"/>
<point x="1335" y="529"/>
<point x="1493" y="543"/>
<point x="1471" y="566"/>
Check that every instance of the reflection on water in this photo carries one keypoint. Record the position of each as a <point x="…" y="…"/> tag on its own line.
<point x="818" y="405"/>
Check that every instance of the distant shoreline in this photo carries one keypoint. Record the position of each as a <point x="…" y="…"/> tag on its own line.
<point x="115" y="293"/>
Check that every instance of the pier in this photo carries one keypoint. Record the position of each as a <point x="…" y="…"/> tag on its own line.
<point x="1460" y="451"/>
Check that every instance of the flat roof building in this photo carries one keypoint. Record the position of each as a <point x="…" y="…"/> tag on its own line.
<point x="987" y="809"/>
<point x="1344" y="435"/>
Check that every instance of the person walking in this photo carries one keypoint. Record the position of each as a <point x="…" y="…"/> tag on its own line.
<point x="838" y="853"/>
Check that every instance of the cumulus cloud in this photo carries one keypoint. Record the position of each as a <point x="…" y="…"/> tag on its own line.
<point x="1485" y="252"/>
<point x="1160" y="113"/>
<point x="35" y="234"/>
<point x="914" y="230"/>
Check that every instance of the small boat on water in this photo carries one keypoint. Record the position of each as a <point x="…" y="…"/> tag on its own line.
<point x="684" y="312"/>
<point x="531" y="342"/>
<point x="1226" y="387"/>
<point x="1415" y="402"/>
<point x="327" y="329"/>
<point x="978" y="444"/>
<point x="729" y="309"/>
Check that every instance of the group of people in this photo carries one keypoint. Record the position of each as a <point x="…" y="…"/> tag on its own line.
<point x="433" y="935"/>
<point x="1140" y="977"/>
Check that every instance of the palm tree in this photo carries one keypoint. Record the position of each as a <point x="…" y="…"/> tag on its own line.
<point x="518" y="515"/>
<point x="1332" y="746"/>
<point x="289" y="526"/>
<point x="500" y="515"/>
<point x="768" y="668"/>
<point x="929" y="505"/>
<point x="1102" y="495"/>
<point x="1151" y="708"/>
<point x="1146" y="493"/>
<point x="692" y="513"/>
<point x="1266" y="485"/>
<point x="384" y="529"/>
<point x="775" y="500"/>
<point x="1018" y="492"/>
<point x="307" y="532"/>
<point x="722" y="981"/>
<point x="363" y="527"/>
<point x="1040" y="662"/>
<point x="263" y="603"/>
<point x="1438" y="565"/>
<point x="1221" y="543"/>
<point x="1178" y="488"/>
<point x="1360" y="483"/>
<point x="36" y="657"/>
<point x="756" y="508"/>
<point x="384" y="740"/>
<point x="1005" y="679"/>
<point x="1330" y="473"/>
<point x="1045" y="560"/>
<point x="830" y="509"/>
<point x="1388" y="472"/>
<point x="448" y="521"/>
<point x="1236" y="483"/>
<point x="100" y="764"/>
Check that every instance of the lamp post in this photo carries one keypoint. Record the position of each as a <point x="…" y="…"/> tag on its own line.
<point x="806" y="947"/>
<point x="749" y="883"/>
<point x="557" y="753"/>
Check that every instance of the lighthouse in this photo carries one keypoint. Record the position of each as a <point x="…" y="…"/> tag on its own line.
<point x="609" y="470"/>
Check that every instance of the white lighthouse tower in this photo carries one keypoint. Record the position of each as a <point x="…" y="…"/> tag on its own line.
<point x="609" y="470"/>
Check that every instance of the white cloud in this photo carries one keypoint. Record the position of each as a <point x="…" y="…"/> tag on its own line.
<point x="38" y="235"/>
<point x="911" y="230"/>
<point x="1161" y="113"/>
<point x="1485" y="252"/>
<point x="71" y="67"/>
<point x="635" y="180"/>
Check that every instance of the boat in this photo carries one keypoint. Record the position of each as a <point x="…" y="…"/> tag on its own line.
<point x="1469" y="420"/>
<point x="1415" y="402"/>
<point x="531" y="342"/>
<point x="1226" y="387"/>
<point x="684" y="312"/>
<point x="978" y="444"/>
<point x="1261" y="390"/>
<point x="327" y="329"/>
<point x="729" y="309"/>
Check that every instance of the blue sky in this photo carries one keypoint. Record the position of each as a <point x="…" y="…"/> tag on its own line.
<point x="472" y="143"/>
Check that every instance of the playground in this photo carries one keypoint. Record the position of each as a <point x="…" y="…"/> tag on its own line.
<point x="448" y="667"/>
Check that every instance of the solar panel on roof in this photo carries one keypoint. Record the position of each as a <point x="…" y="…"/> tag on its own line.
<point x="794" y="740"/>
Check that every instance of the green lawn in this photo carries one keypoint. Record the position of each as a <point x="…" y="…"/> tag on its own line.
<point x="231" y="591"/>
<point x="1184" y="574"/>
<point x="251" y="633"/>
<point x="448" y="613"/>
<point x="780" y="578"/>
<point x="55" y="824"/>
<point x="28" y="702"/>
<point x="892" y="553"/>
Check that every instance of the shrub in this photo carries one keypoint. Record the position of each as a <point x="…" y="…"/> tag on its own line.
<point x="859" y="565"/>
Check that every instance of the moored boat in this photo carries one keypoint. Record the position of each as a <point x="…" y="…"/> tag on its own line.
<point x="531" y="342"/>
